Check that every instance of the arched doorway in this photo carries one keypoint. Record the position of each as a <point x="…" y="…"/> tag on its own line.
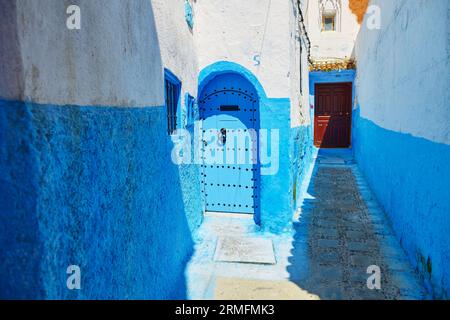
<point x="229" y="109"/>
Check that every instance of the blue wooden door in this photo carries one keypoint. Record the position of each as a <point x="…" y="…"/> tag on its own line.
<point x="230" y="175"/>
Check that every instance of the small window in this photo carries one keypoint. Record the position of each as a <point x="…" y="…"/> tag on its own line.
<point x="191" y="110"/>
<point x="172" y="89"/>
<point x="329" y="23"/>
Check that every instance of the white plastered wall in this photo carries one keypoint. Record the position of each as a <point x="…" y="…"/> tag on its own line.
<point x="114" y="60"/>
<point x="403" y="69"/>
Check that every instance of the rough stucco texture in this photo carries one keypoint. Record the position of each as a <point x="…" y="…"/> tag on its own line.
<point x="300" y="159"/>
<point x="47" y="63"/>
<point x="176" y="42"/>
<point x="252" y="33"/>
<point x="276" y="209"/>
<point x="94" y="187"/>
<point x="401" y="129"/>
<point x="402" y="79"/>
<point x="411" y="178"/>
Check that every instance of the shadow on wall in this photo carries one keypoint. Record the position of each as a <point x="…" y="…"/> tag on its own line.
<point x="93" y="187"/>
<point x="11" y="69"/>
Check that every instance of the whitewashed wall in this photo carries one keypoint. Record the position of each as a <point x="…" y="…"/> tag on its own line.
<point x="176" y="42"/>
<point x="299" y="69"/>
<point x="407" y="89"/>
<point x="114" y="60"/>
<point x="239" y="31"/>
<point x="331" y="44"/>
<point x="260" y="35"/>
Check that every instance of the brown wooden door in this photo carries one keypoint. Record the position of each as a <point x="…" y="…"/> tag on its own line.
<point x="333" y="115"/>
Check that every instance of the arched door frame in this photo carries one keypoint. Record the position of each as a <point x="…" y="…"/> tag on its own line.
<point x="222" y="68"/>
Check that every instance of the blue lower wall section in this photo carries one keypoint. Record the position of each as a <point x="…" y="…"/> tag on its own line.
<point x="411" y="178"/>
<point x="276" y="209"/>
<point x="279" y="194"/>
<point x="301" y="151"/>
<point x="95" y="187"/>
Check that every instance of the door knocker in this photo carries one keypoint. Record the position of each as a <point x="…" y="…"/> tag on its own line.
<point x="222" y="137"/>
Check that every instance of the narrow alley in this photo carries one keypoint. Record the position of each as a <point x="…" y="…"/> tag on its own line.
<point x="337" y="234"/>
<point x="227" y="150"/>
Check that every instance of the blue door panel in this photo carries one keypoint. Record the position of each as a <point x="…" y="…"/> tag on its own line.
<point x="229" y="111"/>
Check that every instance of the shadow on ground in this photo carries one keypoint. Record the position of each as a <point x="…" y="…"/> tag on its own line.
<point x="337" y="238"/>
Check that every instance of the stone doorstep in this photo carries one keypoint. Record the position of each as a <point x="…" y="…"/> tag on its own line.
<point x="245" y="250"/>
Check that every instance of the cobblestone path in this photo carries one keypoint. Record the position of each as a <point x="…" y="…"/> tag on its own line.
<point x="344" y="232"/>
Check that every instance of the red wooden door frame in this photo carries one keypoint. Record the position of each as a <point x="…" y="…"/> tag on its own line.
<point x="333" y="115"/>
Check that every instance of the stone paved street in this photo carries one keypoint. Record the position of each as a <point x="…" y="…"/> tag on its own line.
<point x="337" y="234"/>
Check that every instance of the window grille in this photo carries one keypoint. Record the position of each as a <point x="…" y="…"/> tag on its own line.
<point x="172" y="88"/>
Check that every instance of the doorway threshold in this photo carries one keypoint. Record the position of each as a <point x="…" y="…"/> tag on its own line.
<point x="228" y="215"/>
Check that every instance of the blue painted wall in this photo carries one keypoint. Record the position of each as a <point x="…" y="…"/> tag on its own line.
<point x="95" y="187"/>
<point x="411" y="178"/>
<point x="276" y="205"/>
<point x="402" y="129"/>
<point x="330" y="77"/>
<point x="301" y="151"/>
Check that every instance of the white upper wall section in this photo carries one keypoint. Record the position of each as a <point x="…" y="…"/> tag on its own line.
<point x="299" y="68"/>
<point x="246" y="32"/>
<point x="403" y="75"/>
<point x="114" y="60"/>
<point x="331" y="44"/>
<point x="176" y="43"/>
